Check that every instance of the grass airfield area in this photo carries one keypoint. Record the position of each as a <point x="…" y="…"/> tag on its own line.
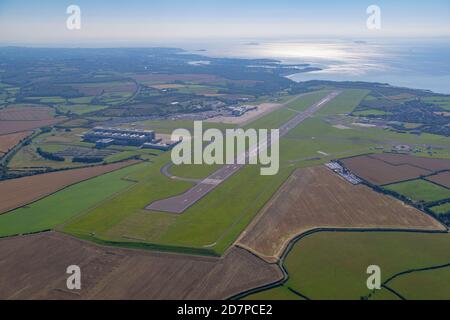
<point x="48" y="213"/>
<point x="420" y="190"/>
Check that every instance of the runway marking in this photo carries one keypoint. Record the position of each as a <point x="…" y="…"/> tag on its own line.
<point x="212" y="181"/>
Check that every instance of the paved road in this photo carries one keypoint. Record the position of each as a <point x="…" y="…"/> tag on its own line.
<point x="178" y="204"/>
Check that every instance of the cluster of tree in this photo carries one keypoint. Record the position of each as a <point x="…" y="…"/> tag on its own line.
<point x="87" y="159"/>
<point x="49" y="155"/>
<point x="428" y="115"/>
<point x="445" y="218"/>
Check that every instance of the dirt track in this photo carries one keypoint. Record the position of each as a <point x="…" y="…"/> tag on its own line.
<point x="33" y="267"/>
<point x="317" y="198"/>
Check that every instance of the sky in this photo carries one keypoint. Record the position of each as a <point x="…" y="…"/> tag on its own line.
<point x="152" y="21"/>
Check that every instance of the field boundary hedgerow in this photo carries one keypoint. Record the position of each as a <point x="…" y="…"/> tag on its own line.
<point x="294" y="241"/>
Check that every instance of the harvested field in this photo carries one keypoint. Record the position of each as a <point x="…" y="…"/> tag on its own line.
<point x="424" y="285"/>
<point x="26" y="114"/>
<point x="8" y="141"/>
<point x="7" y="127"/>
<point x="59" y="139"/>
<point x="441" y="209"/>
<point x="18" y="119"/>
<point x="22" y="191"/>
<point x="420" y="162"/>
<point x="380" y="172"/>
<point x="317" y="198"/>
<point x="110" y="273"/>
<point x="442" y="179"/>
<point x="420" y="190"/>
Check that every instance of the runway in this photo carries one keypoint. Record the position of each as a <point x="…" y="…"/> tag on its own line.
<point x="180" y="203"/>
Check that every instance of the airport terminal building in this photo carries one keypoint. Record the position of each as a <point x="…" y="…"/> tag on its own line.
<point x="103" y="137"/>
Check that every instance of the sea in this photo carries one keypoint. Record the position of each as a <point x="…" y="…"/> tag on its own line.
<point x="412" y="63"/>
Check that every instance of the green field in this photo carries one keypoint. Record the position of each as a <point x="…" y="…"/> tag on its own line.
<point x="280" y="116"/>
<point x="384" y="294"/>
<point x="443" y="102"/>
<point x="27" y="157"/>
<point x="47" y="100"/>
<point x="80" y="109"/>
<point x="423" y="285"/>
<point x="345" y="103"/>
<point x="332" y="265"/>
<point x="48" y="212"/>
<point x="420" y="190"/>
<point x="442" y="209"/>
<point x="278" y="293"/>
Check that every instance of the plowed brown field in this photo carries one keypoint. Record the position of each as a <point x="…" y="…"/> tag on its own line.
<point x="442" y="179"/>
<point x="430" y="164"/>
<point x="387" y="168"/>
<point x="34" y="267"/>
<point x="20" y="119"/>
<point x="26" y="113"/>
<point x="318" y="198"/>
<point x="8" y="141"/>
